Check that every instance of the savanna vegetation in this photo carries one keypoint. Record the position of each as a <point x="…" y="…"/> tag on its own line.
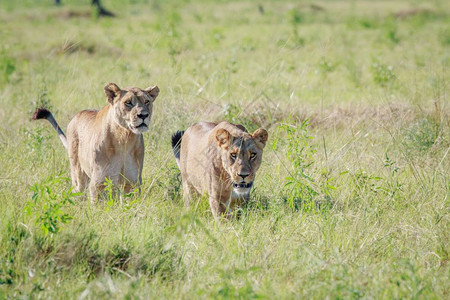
<point x="351" y="201"/>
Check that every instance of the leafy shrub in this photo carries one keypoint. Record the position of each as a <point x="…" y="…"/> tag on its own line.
<point x="422" y="135"/>
<point x="382" y="74"/>
<point x="300" y="187"/>
<point x="295" y="16"/>
<point x="48" y="205"/>
<point x="113" y="194"/>
<point x="35" y="139"/>
<point x="7" y="68"/>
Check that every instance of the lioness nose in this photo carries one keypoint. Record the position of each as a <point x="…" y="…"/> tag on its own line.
<point x="243" y="175"/>
<point x="143" y="115"/>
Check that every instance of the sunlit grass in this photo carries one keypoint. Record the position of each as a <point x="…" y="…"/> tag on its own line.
<point x="354" y="95"/>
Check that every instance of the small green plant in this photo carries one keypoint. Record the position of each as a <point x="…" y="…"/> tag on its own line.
<point x="42" y="100"/>
<point x="230" y="112"/>
<point x="7" y="68"/>
<point x="382" y="74"/>
<point x="392" y="187"/>
<point x="236" y="115"/>
<point x="301" y="188"/>
<point x="295" y="16"/>
<point x="35" y="138"/>
<point x="217" y="35"/>
<point x="48" y="204"/>
<point x="112" y="193"/>
<point x="422" y="135"/>
<point x="390" y="164"/>
<point x="326" y="66"/>
<point x="365" y="183"/>
<point x="390" y="31"/>
<point x="444" y="36"/>
<point x="8" y="259"/>
<point x="369" y="23"/>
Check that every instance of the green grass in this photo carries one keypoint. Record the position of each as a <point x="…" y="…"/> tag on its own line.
<point x="352" y="199"/>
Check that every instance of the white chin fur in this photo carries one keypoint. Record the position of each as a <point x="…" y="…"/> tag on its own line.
<point x="138" y="130"/>
<point x="241" y="191"/>
<point x="142" y="129"/>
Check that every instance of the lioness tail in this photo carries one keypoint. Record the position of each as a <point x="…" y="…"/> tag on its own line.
<point x="176" y="143"/>
<point x="43" y="113"/>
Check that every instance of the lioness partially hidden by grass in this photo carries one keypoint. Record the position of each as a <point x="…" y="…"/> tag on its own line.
<point x="220" y="159"/>
<point x="108" y="143"/>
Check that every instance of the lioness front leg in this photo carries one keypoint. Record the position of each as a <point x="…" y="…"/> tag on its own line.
<point x="219" y="198"/>
<point x="98" y="184"/>
<point x="97" y="187"/>
<point x="188" y="193"/>
<point x="94" y="189"/>
<point x="214" y="203"/>
<point x="219" y="207"/>
<point x="79" y="178"/>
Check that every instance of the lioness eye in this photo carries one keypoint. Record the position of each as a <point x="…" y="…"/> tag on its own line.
<point x="147" y="101"/>
<point x="233" y="155"/>
<point x="253" y="155"/>
<point x="128" y="103"/>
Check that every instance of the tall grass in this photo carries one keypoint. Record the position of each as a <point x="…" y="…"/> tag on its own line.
<point x="351" y="201"/>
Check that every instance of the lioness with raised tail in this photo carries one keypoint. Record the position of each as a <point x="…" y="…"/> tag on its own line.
<point x="219" y="159"/>
<point x="108" y="143"/>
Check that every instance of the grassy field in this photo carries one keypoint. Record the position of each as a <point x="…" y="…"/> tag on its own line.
<point x="352" y="199"/>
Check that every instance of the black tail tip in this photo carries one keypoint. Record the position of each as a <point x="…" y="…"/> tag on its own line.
<point x="176" y="139"/>
<point x="41" y="113"/>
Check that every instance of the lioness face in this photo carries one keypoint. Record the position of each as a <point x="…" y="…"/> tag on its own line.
<point x="133" y="107"/>
<point x="241" y="157"/>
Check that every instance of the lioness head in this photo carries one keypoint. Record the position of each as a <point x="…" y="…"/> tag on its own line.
<point x="132" y="107"/>
<point x="241" y="157"/>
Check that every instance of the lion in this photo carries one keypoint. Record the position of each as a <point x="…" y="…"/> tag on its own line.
<point x="221" y="160"/>
<point x="107" y="143"/>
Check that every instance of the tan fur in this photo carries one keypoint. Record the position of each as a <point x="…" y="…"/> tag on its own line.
<point x="207" y="166"/>
<point x="109" y="143"/>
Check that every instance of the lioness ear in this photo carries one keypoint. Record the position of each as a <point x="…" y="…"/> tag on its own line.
<point x="260" y="136"/>
<point x="223" y="138"/>
<point x="153" y="91"/>
<point x="111" y="91"/>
